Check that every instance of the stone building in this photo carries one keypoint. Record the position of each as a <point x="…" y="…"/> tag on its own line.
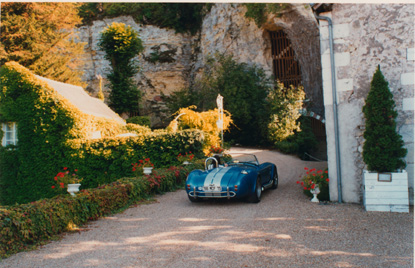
<point x="365" y="36"/>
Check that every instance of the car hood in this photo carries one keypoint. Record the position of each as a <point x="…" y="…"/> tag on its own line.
<point x="225" y="176"/>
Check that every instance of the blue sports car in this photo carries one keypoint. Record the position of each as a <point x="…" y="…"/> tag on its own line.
<point x="241" y="177"/>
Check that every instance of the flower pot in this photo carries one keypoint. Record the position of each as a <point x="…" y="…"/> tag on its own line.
<point x="386" y="191"/>
<point x="315" y="192"/>
<point x="147" y="170"/>
<point x="73" y="188"/>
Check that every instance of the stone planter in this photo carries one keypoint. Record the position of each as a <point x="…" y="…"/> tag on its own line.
<point x="147" y="170"/>
<point x="386" y="191"/>
<point x="315" y="192"/>
<point x="73" y="188"/>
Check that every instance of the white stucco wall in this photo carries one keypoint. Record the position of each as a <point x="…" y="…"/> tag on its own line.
<point x="365" y="36"/>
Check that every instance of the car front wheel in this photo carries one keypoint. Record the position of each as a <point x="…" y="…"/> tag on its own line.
<point x="194" y="199"/>
<point x="256" y="195"/>
<point x="275" y="180"/>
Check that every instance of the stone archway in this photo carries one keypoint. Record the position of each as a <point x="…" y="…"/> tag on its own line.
<point x="301" y="28"/>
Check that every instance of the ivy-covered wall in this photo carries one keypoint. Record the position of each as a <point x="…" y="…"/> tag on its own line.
<point x="53" y="133"/>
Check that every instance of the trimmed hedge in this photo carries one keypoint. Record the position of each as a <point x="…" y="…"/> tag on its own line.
<point x="24" y="227"/>
<point x="105" y="160"/>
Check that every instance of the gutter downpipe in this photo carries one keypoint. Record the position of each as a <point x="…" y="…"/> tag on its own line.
<point x="335" y="114"/>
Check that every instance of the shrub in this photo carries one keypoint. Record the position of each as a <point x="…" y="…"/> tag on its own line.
<point x="105" y="160"/>
<point x="301" y="142"/>
<point x="204" y="121"/>
<point x="285" y="104"/>
<point x="140" y="120"/>
<point x="259" y="11"/>
<point x="26" y="226"/>
<point x="383" y="149"/>
<point x="121" y="44"/>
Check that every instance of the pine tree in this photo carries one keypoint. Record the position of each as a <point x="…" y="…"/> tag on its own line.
<point x="39" y="36"/>
<point x="383" y="149"/>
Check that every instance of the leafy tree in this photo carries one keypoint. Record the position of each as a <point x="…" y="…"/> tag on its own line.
<point x="383" y="149"/>
<point x="121" y="44"/>
<point x="39" y="36"/>
<point x="244" y="88"/>
<point x="261" y="113"/>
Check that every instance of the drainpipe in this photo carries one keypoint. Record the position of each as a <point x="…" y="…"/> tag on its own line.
<point x="335" y="115"/>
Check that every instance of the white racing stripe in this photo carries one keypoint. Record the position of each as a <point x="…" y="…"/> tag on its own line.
<point x="215" y="176"/>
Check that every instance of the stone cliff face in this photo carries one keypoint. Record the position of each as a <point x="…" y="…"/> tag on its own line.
<point x="165" y="63"/>
<point x="171" y="62"/>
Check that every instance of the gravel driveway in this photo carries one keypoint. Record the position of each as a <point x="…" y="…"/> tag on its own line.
<point x="284" y="230"/>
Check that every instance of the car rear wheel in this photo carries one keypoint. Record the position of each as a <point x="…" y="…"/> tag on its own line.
<point x="275" y="180"/>
<point x="256" y="195"/>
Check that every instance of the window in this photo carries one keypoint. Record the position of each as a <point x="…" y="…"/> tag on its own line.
<point x="286" y="67"/>
<point x="10" y="133"/>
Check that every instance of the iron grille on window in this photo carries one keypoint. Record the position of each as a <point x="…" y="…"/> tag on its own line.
<point x="286" y="68"/>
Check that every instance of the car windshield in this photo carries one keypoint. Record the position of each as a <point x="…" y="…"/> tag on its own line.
<point x="243" y="158"/>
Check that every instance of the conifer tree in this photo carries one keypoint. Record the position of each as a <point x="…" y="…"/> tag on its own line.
<point x="39" y="36"/>
<point x="383" y="149"/>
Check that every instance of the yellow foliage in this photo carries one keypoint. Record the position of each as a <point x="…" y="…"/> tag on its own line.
<point x="206" y="121"/>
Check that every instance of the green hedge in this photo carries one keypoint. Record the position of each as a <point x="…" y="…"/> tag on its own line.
<point x="140" y="120"/>
<point x="53" y="133"/>
<point x="105" y="160"/>
<point x="23" y="227"/>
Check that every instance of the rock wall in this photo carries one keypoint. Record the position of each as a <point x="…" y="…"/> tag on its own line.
<point x="226" y="30"/>
<point x="362" y="41"/>
<point x="165" y="64"/>
<point x="173" y="61"/>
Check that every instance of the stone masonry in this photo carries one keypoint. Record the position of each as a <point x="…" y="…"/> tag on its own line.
<point x="365" y="36"/>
